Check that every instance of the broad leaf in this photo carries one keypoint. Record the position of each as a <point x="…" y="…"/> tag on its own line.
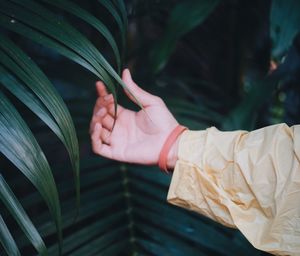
<point x="245" y="114"/>
<point x="184" y="17"/>
<point x="285" y="24"/>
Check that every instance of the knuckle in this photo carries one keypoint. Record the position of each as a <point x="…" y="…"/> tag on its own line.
<point x="111" y="109"/>
<point x="108" y="98"/>
<point x="94" y="136"/>
<point x="105" y="119"/>
<point x="101" y="102"/>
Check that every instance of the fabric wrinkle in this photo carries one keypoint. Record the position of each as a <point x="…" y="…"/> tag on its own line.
<point x="246" y="180"/>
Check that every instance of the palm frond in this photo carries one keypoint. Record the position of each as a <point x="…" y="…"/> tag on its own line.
<point x="18" y="144"/>
<point x="23" y="78"/>
<point x="17" y="211"/>
<point x="7" y="240"/>
<point x="53" y="110"/>
<point x="93" y="21"/>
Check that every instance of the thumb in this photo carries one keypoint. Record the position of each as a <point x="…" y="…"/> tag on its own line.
<point x="144" y="97"/>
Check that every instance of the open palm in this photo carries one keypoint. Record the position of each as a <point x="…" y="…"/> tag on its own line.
<point x="137" y="137"/>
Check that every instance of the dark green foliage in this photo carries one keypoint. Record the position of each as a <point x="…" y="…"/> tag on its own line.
<point x="183" y="18"/>
<point x="16" y="209"/>
<point x="285" y="24"/>
<point x="7" y="240"/>
<point x="31" y="19"/>
<point x="209" y="60"/>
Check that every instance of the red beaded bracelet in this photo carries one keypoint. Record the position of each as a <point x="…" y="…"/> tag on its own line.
<point x="163" y="156"/>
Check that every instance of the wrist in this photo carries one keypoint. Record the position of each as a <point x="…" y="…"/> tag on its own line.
<point x="173" y="154"/>
<point x="168" y="146"/>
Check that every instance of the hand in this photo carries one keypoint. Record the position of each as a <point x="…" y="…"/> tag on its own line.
<point x="137" y="137"/>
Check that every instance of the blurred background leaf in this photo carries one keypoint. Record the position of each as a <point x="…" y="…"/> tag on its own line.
<point x="183" y="18"/>
<point x="285" y="24"/>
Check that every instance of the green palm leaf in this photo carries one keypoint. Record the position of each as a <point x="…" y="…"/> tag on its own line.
<point x="7" y="240"/>
<point x="47" y="41"/>
<point x="19" y="214"/>
<point x="45" y="22"/>
<point x="18" y="144"/>
<point x="122" y="8"/>
<point x="90" y="19"/>
<point x="112" y="10"/>
<point x="27" y="82"/>
<point x="26" y="70"/>
<point x="29" y="99"/>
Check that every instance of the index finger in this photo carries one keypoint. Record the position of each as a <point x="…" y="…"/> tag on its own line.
<point x="101" y="89"/>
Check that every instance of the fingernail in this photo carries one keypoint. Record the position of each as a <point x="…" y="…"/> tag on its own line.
<point x="101" y="112"/>
<point x="129" y="73"/>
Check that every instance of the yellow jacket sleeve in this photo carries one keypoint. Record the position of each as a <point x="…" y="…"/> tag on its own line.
<point x="246" y="180"/>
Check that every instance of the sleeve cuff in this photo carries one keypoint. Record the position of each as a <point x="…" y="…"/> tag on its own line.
<point x="188" y="188"/>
